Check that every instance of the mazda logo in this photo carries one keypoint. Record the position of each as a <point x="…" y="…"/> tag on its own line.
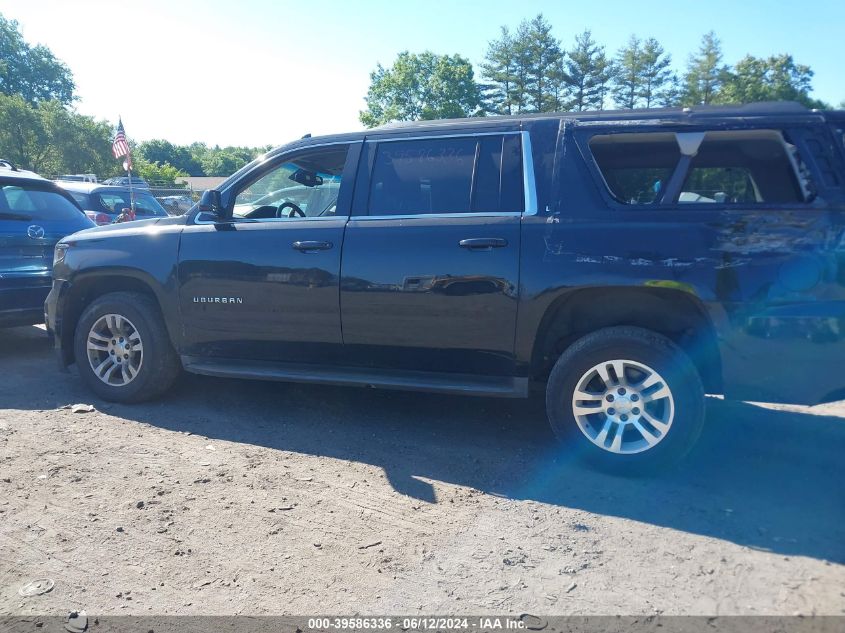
<point x="35" y="232"/>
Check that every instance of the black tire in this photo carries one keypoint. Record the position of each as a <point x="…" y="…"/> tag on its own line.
<point x="640" y="346"/>
<point x="160" y="364"/>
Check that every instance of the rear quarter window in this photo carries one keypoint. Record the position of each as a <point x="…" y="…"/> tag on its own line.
<point x="743" y="167"/>
<point x="637" y="166"/>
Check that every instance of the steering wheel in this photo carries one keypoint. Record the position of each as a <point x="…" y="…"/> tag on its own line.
<point x="294" y="210"/>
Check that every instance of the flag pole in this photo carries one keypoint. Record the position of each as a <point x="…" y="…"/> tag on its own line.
<point x="129" y="173"/>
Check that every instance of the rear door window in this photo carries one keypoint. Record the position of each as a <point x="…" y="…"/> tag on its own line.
<point x="34" y="203"/>
<point x="447" y="175"/>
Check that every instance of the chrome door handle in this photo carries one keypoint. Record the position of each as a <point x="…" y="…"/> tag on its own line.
<point x="483" y="243"/>
<point x="312" y="245"/>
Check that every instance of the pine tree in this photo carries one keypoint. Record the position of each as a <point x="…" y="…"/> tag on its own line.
<point x="544" y="60"/>
<point x="585" y="73"/>
<point x="705" y="72"/>
<point x="628" y="77"/>
<point x="672" y="94"/>
<point x="604" y="85"/>
<point x="655" y="72"/>
<point x="499" y="71"/>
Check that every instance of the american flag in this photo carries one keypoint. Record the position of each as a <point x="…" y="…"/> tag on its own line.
<point x="120" y="146"/>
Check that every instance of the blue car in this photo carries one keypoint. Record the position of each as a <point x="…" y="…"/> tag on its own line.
<point x="34" y="215"/>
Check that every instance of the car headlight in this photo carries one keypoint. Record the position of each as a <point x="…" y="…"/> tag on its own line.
<point x="59" y="253"/>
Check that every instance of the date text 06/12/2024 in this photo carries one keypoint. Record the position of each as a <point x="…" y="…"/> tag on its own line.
<point x="419" y="623"/>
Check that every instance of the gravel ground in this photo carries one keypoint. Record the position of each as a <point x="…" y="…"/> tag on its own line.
<point x="236" y="497"/>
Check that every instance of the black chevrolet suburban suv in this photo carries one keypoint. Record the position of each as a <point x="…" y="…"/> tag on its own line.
<point x="627" y="261"/>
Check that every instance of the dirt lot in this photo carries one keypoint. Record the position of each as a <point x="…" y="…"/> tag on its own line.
<point x="234" y="497"/>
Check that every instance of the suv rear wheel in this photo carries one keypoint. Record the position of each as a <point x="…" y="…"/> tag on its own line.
<point x="630" y="398"/>
<point x="122" y="348"/>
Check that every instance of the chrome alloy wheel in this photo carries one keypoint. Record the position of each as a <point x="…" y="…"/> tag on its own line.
<point x="115" y="351"/>
<point x="623" y="406"/>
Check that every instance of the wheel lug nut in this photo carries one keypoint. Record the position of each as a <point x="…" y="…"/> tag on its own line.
<point x="113" y="342"/>
<point x="610" y="397"/>
<point x="621" y="391"/>
<point x="611" y="411"/>
<point x="636" y="411"/>
<point x="623" y="417"/>
<point x="634" y="397"/>
<point x="126" y="356"/>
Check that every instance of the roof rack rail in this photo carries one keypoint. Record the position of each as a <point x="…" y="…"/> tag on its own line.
<point x="8" y="164"/>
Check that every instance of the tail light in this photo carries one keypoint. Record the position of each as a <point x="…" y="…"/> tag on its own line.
<point x="99" y="218"/>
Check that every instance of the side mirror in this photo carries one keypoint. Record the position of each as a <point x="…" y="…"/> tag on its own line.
<point x="210" y="203"/>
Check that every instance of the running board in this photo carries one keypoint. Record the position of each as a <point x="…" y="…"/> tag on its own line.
<point x="466" y="384"/>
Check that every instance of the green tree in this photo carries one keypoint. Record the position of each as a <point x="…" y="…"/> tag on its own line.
<point x="499" y="72"/>
<point x="604" y="87"/>
<point x="157" y="173"/>
<point x="672" y="94"/>
<point x="32" y="72"/>
<point x="219" y="161"/>
<point x="76" y="143"/>
<point x="655" y="72"/>
<point x="23" y="140"/>
<point x="179" y="156"/>
<point x="544" y="64"/>
<point x="422" y="86"/>
<point x="705" y="72"/>
<point x="50" y="139"/>
<point x="628" y="76"/>
<point x="774" y="78"/>
<point x="586" y="74"/>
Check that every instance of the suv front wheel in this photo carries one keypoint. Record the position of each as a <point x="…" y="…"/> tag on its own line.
<point x="122" y="348"/>
<point x="630" y="399"/>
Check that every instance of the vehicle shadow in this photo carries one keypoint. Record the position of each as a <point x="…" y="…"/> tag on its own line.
<point x="23" y="343"/>
<point x="766" y="479"/>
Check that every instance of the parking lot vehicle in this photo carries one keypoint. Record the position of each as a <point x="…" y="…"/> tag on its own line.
<point x="78" y="177"/>
<point x="625" y="261"/>
<point x="104" y="203"/>
<point x="176" y="205"/>
<point x="34" y="215"/>
<point x="123" y="181"/>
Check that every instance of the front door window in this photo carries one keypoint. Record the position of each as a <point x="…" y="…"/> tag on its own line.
<point x="306" y="186"/>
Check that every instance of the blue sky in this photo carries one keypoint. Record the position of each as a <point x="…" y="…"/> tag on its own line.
<point x="258" y="72"/>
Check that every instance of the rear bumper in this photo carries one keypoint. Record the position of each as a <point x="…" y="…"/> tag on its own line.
<point x="21" y="300"/>
<point x="27" y="316"/>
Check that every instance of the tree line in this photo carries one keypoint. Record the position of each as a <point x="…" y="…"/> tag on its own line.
<point x="528" y="69"/>
<point x="40" y="130"/>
